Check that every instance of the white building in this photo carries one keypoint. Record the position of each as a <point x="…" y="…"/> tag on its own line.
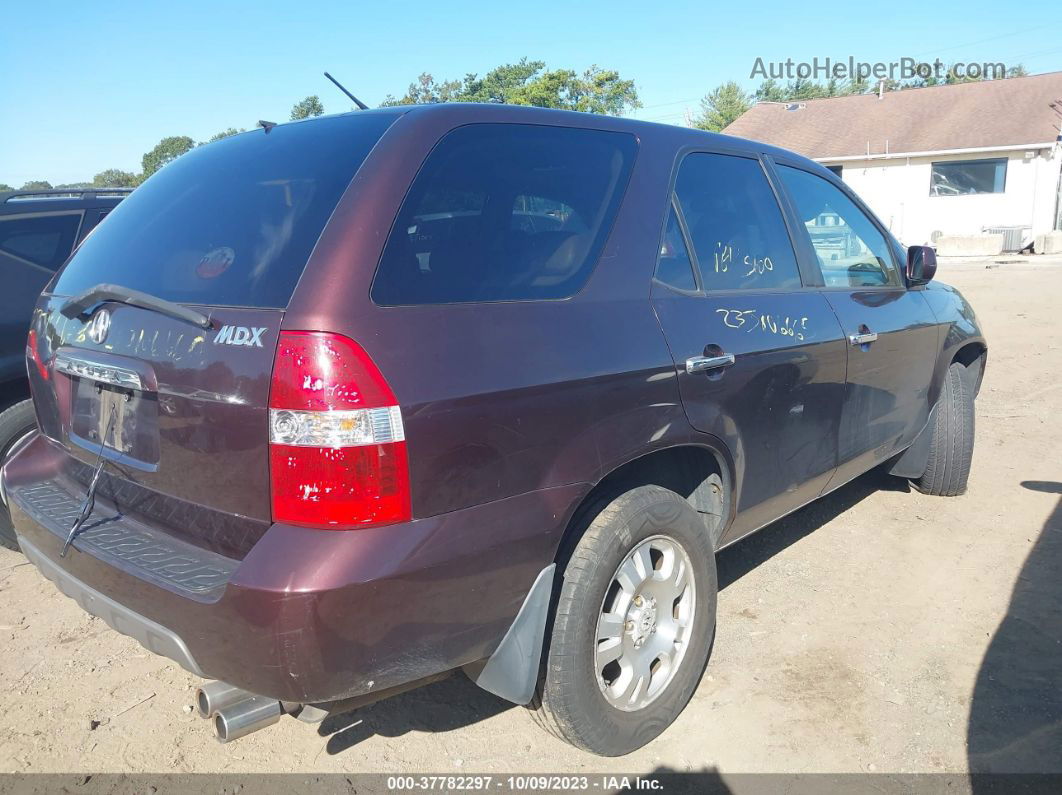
<point x="956" y="160"/>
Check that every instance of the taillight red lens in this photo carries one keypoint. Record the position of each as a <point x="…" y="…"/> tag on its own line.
<point x="337" y="452"/>
<point x="35" y="354"/>
<point x="319" y="371"/>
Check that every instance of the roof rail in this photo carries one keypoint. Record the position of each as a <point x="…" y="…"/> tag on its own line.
<point x="63" y="193"/>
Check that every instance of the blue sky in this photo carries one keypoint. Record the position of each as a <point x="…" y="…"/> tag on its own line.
<point x="88" y="86"/>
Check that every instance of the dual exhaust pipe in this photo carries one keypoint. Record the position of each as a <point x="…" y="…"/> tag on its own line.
<point x="235" y="713"/>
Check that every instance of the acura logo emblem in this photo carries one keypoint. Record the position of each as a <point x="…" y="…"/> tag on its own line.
<point x="99" y="326"/>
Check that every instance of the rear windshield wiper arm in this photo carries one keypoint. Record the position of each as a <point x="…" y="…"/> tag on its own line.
<point x="81" y="303"/>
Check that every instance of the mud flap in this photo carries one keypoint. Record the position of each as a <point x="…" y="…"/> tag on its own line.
<point x="913" y="461"/>
<point x="512" y="671"/>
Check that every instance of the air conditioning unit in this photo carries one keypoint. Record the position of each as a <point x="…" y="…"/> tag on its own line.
<point x="1013" y="236"/>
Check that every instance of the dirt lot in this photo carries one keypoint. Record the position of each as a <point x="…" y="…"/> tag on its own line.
<point x="877" y="629"/>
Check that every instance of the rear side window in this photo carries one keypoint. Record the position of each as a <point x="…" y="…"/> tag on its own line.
<point x="231" y="223"/>
<point x="736" y="228"/>
<point x="505" y="212"/>
<point x="44" y="240"/>
<point x="674" y="268"/>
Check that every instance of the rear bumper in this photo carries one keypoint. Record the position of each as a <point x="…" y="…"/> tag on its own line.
<point x="153" y="637"/>
<point x="309" y="616"/>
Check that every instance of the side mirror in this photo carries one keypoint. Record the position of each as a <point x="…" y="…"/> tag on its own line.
<point x="921" y="264"/>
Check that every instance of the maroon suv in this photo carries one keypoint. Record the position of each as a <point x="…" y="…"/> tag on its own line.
<point x="331" y="409"/>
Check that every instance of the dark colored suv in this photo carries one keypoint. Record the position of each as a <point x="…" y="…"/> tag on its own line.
<point x="336" y="408"/>
<point x="38" y="230"/>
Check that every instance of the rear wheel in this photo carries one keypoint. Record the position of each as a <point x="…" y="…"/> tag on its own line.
<point x="951" y="448"/>
<point x="633" y="624"/>
<point x="16" y="424"/>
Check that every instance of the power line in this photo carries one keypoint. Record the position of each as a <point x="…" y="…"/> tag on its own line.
<point x="666" y="104"/>
<point x="972" y="43"/>
<point x="1034" y="54"/>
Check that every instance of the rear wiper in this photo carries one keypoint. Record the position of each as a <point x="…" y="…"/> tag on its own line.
<point x="80" y="304"/>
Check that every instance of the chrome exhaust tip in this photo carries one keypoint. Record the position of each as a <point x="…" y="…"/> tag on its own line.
<point x="214" y="696"/>
<point x="245" y="717"/>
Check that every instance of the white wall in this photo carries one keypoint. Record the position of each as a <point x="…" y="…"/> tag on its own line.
<point x="897" y="189"/>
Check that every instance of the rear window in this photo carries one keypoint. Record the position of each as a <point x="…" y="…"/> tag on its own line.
<point x="505" y="212"/>
<point x="232" y="223"/>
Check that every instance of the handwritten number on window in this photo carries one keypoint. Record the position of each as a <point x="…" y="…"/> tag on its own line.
<point x="758" y="267"/>
<point x="723" y="255"/>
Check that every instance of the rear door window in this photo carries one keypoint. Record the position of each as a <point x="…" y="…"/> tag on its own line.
<point x="44" y="240"/>
<point x="505" y="212"/>
<point x="738" y="234"/>
<point x="231" y="223"/>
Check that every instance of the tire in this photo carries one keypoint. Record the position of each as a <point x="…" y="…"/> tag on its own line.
<point x="572" y="700"/>
<point x="15" y="423"/>
<point x="951" y="448"/>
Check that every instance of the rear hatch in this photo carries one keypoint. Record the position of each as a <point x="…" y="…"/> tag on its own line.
<point x="119" y="367"/>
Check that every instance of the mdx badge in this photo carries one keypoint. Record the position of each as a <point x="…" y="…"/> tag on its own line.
<point x="99" y="326"/>
<point x="240" y="335"/>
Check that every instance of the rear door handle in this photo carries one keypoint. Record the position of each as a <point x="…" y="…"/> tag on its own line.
<point x="700" y="364"/>
<point x="862" y="339"/>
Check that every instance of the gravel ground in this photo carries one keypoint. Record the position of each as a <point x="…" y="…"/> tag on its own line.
<point x="875" y="630"/>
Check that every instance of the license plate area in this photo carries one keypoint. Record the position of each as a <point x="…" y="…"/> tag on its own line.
<point x="124" y="422"/>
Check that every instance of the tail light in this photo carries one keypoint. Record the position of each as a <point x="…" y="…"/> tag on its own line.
<point x="337" y="450"/>
<point x="35" y="354"/>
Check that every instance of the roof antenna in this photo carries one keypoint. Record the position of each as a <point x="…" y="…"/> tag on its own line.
<point x="361" y="105"/>
<point x="267" y="125"/>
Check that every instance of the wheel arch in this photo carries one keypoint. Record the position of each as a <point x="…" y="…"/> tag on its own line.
<point x="973" y="356"/>
<point x="702" y="472"/>
<point x="513" y="669"/>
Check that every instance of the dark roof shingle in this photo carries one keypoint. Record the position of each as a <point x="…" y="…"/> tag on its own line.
<point x="1015" y="111"/>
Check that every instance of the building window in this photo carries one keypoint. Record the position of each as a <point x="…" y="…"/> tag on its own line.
<point x="962" y="177"/>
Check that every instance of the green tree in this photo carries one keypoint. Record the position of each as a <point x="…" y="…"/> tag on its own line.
<point x="37" y="184"/>
<point x="165" y="151"/>
<point x="805" y="89"/>
<point x="601" y="91"/>
<point x="305" y="108"/>
<point x="425" y="91"/>
<point x="527" y="82"/>
<point x="223" y="134"/>
<point x="800" y="89"/>
<point x="5" y="187"/>
<point x="722" y="106"/>
<point x="770" y="90"/>
<point x="951" y="78"/>
<point x="857" y="85"/>
<point x="115" y="178"/>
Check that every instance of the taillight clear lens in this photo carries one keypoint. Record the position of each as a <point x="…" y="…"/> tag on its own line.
<point x="341" y="428"/>
<point x="337" y="452"/>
